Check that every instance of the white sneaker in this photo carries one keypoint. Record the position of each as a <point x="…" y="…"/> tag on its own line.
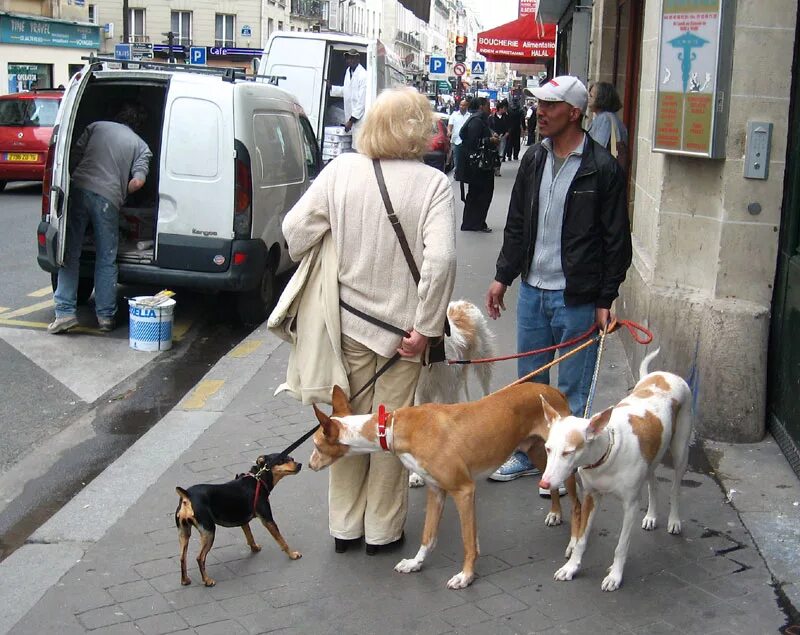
<point x="62" y="324"/>
<point x="545" y="493"/>
<point x="518" y="464"/>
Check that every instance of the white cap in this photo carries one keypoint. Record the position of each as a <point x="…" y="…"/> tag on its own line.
<point x="564" y="88"/>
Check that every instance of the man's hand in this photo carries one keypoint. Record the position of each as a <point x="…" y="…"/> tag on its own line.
<point x="413" y="345"/>
<point x="494" y="299"/>
<point x="602" y="317"/>
<point x="348" y="125"/>
<point x="134" y="185"/>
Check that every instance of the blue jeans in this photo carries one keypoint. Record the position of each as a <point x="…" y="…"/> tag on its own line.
<point x="87" y="207"/>
<point x="543" y="320"/>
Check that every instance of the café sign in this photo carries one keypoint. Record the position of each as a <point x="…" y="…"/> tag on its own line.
<point x="16" y="29"/>
<point x="693" y="80"/>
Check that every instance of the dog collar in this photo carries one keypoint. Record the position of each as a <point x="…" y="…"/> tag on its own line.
<point x="383" y="418"/>
<point x="606" y="453"/>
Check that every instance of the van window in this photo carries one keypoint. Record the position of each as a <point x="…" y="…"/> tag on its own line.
<point x="310" y="148"/>
<point x="190" y="153"/>
<point x="279" y="148"/>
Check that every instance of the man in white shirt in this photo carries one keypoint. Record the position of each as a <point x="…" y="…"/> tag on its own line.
<point x="353" y="90"/>
<point x="454" y="123"/>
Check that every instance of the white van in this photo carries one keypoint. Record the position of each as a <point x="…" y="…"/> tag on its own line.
<point x="307" y="64"/>
<point x="230" y="158"/>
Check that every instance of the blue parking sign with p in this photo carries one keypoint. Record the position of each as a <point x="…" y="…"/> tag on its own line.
<point x="438" y="65"/>
<point x="197" y="55"/>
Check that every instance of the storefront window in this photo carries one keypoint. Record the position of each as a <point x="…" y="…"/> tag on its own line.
<point x="23" y="77"/>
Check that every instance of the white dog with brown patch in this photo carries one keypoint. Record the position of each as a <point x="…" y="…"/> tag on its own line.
<point x="615" y="452"/>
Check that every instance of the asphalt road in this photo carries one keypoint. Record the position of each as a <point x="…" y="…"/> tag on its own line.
<point x="70" y="404"/>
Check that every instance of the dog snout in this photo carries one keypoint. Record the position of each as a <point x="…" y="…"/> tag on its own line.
<point x="544" y="484"/>
<point x="299" y="467"/>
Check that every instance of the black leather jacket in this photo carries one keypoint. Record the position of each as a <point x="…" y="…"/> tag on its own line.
<point x="595" y="234"/>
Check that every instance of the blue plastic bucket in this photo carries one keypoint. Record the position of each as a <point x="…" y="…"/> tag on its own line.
<point x="150" y="326"/>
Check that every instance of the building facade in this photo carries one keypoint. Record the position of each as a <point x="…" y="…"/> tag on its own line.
<point x="714" y="250"/>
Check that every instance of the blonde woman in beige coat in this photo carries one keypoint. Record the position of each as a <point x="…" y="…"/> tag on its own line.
<point x="368" y="494"/>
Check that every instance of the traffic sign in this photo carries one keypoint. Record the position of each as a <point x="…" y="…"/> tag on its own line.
<point x="142" y="50"/>
<point x="122" y="51"/>
<point x="197" y="55"/>
<point x="459" y="69"/>
<point x="478" y="68"/>
<point x="437" y="66"/>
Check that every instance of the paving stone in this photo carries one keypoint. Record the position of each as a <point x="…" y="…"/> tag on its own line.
<point x="105" y="616"/>
<point x="126" y="628"/>
<point x="130" y="590"/>
<point x="160" y="624"/>
<point x="191" y="595"/>
<point x="528" y="621"/>
<point x="657" y="628"/>
<point x="155" y="568"/>
<point x="226" y="627"/>
<point x="205" y="613"/>
<point x="592" y="624"/>
<point x="503" y="604"/>
<point x="146" y="606"/>
<point x="244" y="604"/>
<point x="464" y="615"/>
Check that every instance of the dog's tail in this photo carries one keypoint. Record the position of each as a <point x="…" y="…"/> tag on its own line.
<point x="185" y="512"/>
<point x="643" y="367"/>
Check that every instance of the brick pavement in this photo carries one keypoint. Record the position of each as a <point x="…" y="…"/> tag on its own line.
<point x="709" y="580"/>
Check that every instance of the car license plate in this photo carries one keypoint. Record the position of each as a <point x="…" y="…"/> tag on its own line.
<point x="31" y="157"/>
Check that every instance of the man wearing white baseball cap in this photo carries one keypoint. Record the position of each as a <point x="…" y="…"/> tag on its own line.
<point x="568" y="237"/>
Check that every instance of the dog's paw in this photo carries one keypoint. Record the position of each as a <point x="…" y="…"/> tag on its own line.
<point x="649" y="523"/>
<point x="255" y="548"/>
<point x="552" y="519"/>
<point x="611" y="582"/>
<point x="409" y="565"/>
<point x="566" y="572"/>
<point x="186" y="581"/>
<point x="415" y="480"/>
<point x="570" y="547"/>
<point x="674" y="526"/>
<point x="461" y="580"/>
<point x="210" y="582"/>
<point x="295" y="555"/>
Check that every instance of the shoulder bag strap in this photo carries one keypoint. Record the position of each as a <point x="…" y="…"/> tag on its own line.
<point x="614" y="151"/>
<point x="398" y="228"/>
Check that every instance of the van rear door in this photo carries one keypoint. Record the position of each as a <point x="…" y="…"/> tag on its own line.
<point x="303" y="63"/>
<point x="196" y="183"/>
<point x="60" y="146"/>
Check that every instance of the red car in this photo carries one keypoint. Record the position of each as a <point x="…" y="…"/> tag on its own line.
<point x="26" y="125"/>
<point x="440" y="154"/>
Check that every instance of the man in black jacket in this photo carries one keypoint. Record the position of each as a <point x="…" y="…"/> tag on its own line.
<point x="481" y="182"/>
<point x="516" y="123"/>
<point x="567" y="236"/>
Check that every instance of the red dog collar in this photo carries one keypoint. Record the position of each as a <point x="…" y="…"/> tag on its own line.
<point x="382" y="418"/>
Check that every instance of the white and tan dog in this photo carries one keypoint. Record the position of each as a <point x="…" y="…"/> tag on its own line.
<point x="449" y="445"/>
<point x="470" y="338"/>
<point x="616" y="451"/>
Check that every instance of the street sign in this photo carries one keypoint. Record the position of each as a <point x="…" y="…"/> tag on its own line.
<point x="246" y="30"/>
<point x="478" y="68"/>
<point x="197" y="55"/>
<point x="437" y="66"/>
<point x="459" y="69"/>
<point x="142" y="50"/>
<point x="122" y="51"/>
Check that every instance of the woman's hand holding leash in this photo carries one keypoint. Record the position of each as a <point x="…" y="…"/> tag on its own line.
<point x="413" y="345"/>
<point x="494" y="299"/>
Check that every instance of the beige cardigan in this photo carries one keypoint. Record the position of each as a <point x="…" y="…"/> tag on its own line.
<point x="373" y="274"/>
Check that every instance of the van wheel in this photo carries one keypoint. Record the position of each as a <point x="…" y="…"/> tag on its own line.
<point x="254" y="306"/>
<point x="85" y="287"/>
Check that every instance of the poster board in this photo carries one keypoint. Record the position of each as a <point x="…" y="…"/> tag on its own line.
<point x="692" y="86"/>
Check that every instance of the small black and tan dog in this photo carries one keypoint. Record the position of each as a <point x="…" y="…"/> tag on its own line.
<point x="232" y="504"/>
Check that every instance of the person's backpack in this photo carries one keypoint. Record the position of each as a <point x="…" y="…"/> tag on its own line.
<point x="617" y="147"/>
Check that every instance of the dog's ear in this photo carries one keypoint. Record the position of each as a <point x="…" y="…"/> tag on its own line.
<point x="600" y="421"/>
<point x="550" y="413"/>
<point x="340" y="402"/>
<point x="329" y="428"/>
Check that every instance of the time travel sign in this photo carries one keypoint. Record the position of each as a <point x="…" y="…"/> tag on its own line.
<point x="24" y="30"/>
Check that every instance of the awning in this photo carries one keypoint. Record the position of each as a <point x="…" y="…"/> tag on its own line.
<point x="420" y="8"/>
<point x="520" y="41"/>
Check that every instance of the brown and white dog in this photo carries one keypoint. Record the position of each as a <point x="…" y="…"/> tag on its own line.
<point x="449" y="445"/>
<point x="470" y="338"/>
<point x="615" y="452"/>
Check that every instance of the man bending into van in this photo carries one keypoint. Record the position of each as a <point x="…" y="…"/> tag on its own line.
<point x="353" y="90"/>
<point x="108" y="162"/>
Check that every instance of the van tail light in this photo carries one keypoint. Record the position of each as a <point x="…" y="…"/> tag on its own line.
<point x="242" y="193"/>
<point x="47" y="181"/>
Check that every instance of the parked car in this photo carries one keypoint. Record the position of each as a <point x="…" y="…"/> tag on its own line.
<point x="26" y="125"/>
<point x="230" y="158"/>
<point x="440" y="152"/>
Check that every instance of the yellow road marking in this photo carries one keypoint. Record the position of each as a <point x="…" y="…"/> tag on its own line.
<point x="180" y="328"/>
<point x="3" y="309"/>
<point x="29" y="309"/>
<point x="246" y="348"/>
<point x="201" y="394"/>
<point x="41" y="292"/>
<point x="34" y="325"/>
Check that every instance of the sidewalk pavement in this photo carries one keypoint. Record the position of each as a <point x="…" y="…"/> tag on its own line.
<point x="108" y="561"/>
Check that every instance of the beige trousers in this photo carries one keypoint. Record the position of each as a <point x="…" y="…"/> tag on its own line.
<point x="368" y="494"/>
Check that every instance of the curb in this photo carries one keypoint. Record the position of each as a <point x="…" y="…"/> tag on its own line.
<point x="54" y="548"/>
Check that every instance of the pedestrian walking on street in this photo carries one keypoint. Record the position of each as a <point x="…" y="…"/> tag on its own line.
<point x="606" y="127"/>
<point x="530" y="123"/>
<point x="368" y="494"/>
<point x="479" y="154"/>
<point x="516" y="125"/>
<point x="571" y="265"/>
<point x="498" y="122"/>
<point x="108" y="162"/>
<point x="454" y="124"/>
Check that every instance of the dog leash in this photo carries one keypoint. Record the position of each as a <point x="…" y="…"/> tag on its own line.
<point x="593" y="385"/>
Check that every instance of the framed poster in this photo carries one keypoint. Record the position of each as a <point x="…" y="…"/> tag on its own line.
<point x="693" y="79"/>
